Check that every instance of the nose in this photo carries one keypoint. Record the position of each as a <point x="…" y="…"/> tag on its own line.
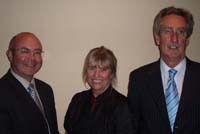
<point x="174" y="37"/>
<point x="31" y="55"/>
<point x="97" y="72"/>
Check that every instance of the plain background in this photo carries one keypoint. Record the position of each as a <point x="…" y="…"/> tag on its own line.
<point x="68" y="29"/>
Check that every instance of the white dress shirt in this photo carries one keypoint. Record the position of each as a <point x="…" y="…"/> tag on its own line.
<point x="179" y="77"/>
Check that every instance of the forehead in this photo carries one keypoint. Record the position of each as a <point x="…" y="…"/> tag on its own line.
<point x="173" y="20"/>
<point x="27" y="41"/>
<point x="99" y="63"/>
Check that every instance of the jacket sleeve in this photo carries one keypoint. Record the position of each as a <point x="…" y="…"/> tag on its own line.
<point x="5" y="122"/>
<point x="123" y="120"/>
<point x="71" y="114"/>
<point x="133" y="100"/>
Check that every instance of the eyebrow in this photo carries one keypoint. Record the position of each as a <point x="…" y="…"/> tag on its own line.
<point x="28" y="48"/>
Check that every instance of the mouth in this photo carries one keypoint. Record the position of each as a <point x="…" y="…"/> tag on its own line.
<point x="173" y="46"/>
<point x="96" y="81"/>
<point x="30" y="64"/>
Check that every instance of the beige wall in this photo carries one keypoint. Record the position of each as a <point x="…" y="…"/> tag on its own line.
<point x="68" y="29"/>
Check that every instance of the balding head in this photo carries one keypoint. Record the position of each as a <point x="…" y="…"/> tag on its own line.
<point x="24" y="53"/>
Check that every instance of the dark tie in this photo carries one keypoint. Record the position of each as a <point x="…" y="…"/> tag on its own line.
<point x="172" y="98"/>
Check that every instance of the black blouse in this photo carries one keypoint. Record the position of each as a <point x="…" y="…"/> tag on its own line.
<point x="107" y="114"/>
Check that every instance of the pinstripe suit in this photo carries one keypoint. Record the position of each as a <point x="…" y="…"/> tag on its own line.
<point x="147" y="101"/>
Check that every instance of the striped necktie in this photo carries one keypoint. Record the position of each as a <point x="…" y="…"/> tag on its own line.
<point x="33" y="94"/>
<point x="172" y="98"/>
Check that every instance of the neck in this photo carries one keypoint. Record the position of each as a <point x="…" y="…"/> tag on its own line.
<point x="172" y="62"/>
<point x="98" y="92"/>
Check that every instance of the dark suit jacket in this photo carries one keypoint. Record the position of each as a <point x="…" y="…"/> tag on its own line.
<point x="147" y="101"/>
<point x="18" y="112"/>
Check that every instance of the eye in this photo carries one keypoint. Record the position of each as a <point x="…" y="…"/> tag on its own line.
<point x="104" y="68"/>
<point x="168" y="30"/>
<point x="24" y="50"/>
<point x="181" y="31"/>
<point x="91" y="67"/>
<point x="37" y="52"/>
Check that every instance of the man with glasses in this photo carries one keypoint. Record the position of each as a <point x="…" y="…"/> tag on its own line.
<point x="164" y="96"/>
<point x="27" y="104"/>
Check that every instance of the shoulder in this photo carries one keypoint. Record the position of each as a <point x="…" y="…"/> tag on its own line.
<point x="118" y="95"/>
<point x="145" y="69"/>
<point x="78" y="101"/>
<point x="193" y="64"/>
<point x="7" y="79"/>
<point x="8" y="82"/>
<point x="5" y="89"/>
<point x="118" y="103"/>
<point x="117" y="98"/>
<point x="192" y="70"/>
<point x="43" y="88"/>
<point x="42" y="84"/>
<point x="80" y="96"/>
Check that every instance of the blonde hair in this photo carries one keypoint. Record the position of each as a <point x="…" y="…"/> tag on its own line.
<point x="103" y="57"/>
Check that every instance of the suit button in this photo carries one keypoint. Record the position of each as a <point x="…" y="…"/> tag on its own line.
<point x="176" y="127"/>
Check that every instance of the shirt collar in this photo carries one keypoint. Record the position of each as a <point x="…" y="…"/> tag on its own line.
<point x="104" y="95"/>
<point x="180" y="68"/>
<point x="23" y="81"/>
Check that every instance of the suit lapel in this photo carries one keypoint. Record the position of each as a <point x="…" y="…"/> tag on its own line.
<point x="21" y="93"/>
<point x="41" y="89"/>
<point x="18" y="88"/>
<point x="41" y="94"/>
<point x="186" y="94"/>
<point x="155" y="87"/>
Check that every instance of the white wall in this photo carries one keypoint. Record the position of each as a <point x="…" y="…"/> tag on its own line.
<point x="68" y="29"/>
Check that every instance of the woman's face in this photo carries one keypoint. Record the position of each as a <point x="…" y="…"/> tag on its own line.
<point x="99" y="78"/>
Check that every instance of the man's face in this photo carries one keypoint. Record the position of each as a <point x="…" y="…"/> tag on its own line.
<point x="172" y="39"/>
<point x="25" y="56"/>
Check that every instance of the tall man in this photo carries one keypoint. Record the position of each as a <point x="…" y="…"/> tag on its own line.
<point x="26" y="104"/>
<point x="164" y="96"/>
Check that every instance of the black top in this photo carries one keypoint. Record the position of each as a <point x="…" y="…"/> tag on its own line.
<point x="108" y="114"/>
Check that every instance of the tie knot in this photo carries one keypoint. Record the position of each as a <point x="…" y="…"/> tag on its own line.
<point x="172" y="73"/>
<point x="30" y="87"/>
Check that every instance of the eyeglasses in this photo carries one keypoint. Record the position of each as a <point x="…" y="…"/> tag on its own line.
<point x="169" y="31"/>
<point x="26" y="51"/>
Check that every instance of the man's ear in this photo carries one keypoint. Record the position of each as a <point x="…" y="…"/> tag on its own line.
<point x="9" y="55"/>
<point x="156" y="39"/>
<point x="187" y="42"/>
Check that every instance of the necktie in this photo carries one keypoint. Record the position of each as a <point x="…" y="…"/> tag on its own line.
<point x="33" y="94"/>
<point x="172" y="98"/>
